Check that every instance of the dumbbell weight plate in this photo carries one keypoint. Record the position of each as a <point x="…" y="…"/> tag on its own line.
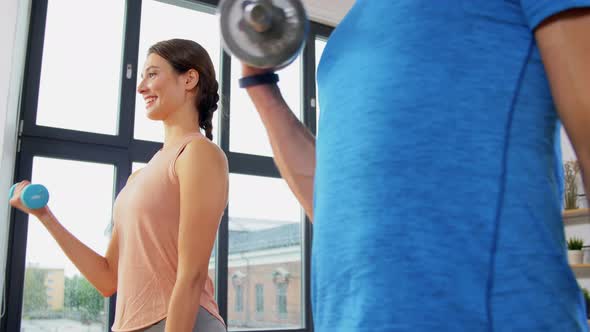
<point x="275" y="48"/>
<point x="11" y="192"/>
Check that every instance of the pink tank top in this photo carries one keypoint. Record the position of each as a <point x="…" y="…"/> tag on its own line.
<point x="146" y="217"/>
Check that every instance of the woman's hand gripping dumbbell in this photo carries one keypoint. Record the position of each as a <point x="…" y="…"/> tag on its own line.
<point x="29" y="198"/>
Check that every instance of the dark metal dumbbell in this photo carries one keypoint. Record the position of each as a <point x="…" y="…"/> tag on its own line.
<point x="266" y="34"/>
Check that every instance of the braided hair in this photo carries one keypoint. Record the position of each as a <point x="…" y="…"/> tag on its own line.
<point x="184" y="55"/>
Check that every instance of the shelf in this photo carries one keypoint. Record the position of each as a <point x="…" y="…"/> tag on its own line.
<point x="580" y="266"/>
<point x="576" y="216"/>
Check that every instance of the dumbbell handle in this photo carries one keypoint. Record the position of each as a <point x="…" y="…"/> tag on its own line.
<point x="258" y="14"/>
<point x="33" y="196"/>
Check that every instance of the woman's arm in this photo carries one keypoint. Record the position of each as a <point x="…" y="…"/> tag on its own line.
<point x="100" y="271"/>
<point x="203" y="178"/>
<point x="564" y="43"/>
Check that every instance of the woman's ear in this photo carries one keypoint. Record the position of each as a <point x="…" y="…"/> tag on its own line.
<point x="191" y="79"/>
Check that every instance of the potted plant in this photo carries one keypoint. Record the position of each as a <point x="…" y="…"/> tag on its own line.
<point x="574" y="250"/>
<point x="572" y="213"/>
<point x="571" y="170"/>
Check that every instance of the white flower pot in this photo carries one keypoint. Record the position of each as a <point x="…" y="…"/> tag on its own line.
<point x="574" y="256"/>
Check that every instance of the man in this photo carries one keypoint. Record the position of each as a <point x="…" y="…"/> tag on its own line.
<point x="433" y="188"/>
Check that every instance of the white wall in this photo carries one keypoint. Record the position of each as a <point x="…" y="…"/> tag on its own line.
<point x="14" y="17"/>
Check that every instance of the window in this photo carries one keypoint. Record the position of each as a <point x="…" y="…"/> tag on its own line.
<point x="87" y="219"/>
<point x="137" y="166"/>
<point x="80" y="75"/>
<point x="320" y="44"/>
<point x="259" y="298"/>
<point x="162" y="21"/>
<point x="239" y="298"/>
<point x="282" y="300"/>
<point x="264" y="235"/>
<point x="79" y="142"/>
<point x="248" y="135"/>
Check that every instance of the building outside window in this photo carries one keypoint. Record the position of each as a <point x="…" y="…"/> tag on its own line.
<point x="282" y="300"/>
<point x="239" y="298"/>
<point x="259" y="298"/>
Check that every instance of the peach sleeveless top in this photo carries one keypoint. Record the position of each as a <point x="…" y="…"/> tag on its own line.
<point x="146" y="217"/>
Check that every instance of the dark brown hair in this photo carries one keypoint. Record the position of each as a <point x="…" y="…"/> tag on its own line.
<point x="184" y="55"/>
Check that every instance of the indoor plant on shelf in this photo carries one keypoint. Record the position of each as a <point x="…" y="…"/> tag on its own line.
<point x="574" y="250"/>
<point x="571" y="170"/>
<point x="572" y="213"/>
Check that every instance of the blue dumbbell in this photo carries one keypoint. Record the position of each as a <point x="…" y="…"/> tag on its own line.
<point x="34" y="196"/>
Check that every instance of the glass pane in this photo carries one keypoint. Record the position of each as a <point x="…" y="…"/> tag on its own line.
<point x="162" y="21"/>
<point x="320" y="44"/>
<point x="264" y="264"/>
<point x="80" y="75"/>
<point x="56" y="297"/>
<point x="259" y="298"/>
<point x="247" y="132"/>
<point x="212" y="269"/>
<point x="137" y="166"/>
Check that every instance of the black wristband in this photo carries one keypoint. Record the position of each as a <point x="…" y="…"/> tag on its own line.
<point x="266" y="78"/>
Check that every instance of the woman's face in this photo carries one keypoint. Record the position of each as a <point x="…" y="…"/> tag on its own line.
<point x="161" y="88"/>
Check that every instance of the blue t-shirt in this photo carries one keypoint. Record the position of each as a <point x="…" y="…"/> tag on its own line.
<point x="437" y="204"/>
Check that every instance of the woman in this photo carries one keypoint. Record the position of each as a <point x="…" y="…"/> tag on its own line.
<point x="167" y="215"/>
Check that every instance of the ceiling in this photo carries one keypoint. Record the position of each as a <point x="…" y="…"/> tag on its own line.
<point x="328" y="12"/>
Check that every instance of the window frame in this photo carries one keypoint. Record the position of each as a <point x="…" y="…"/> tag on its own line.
<point x="239" y="304"/>
<point x="259" y="289"/>
<point x="282" y="311"/>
